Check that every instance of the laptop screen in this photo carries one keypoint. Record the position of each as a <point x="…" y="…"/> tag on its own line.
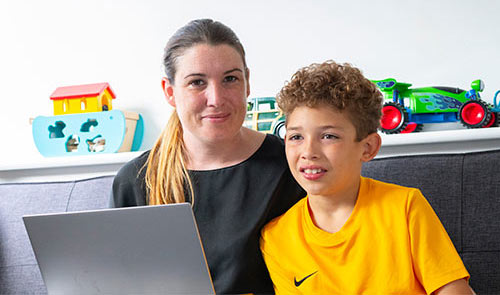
<point x="134" y="250"/>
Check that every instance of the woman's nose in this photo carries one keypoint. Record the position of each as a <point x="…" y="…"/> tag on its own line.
<point x="215" y="95"/>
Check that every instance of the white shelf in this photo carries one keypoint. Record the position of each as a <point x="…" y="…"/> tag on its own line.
<point x="440" y="142"/>
<point x="40" y="169"/>
<point x="70" y="161"/>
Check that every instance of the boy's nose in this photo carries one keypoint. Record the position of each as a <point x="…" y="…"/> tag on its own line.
<point x="215" y="95"/>
<point x="310" y="150"/>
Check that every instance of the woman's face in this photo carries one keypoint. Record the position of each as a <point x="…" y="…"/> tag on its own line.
<point x="209" y="93"/>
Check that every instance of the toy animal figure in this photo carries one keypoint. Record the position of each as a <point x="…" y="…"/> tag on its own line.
<point x="97" y="144"/>
<point x="56" y="131"/>
<point x="72" y="144"/>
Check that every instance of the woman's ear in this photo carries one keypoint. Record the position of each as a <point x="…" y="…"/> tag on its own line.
<point x="247" y="75"/>
<point x="371" y="146"/>
<point x="168" y="90"/>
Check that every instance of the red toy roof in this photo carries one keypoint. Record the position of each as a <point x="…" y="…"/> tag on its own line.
<point x="87" y="90"/>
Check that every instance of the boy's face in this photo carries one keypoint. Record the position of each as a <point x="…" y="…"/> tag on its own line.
<point x="322" y="151"/>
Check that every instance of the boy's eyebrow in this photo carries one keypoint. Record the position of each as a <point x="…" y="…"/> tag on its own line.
<point x="204" y="75"/>
<point x="323" y="127"/>
<point x="296" y="128"/>
<point x="331" y="127"/>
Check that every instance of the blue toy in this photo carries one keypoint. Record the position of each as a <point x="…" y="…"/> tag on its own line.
<point x="88" y="133"/>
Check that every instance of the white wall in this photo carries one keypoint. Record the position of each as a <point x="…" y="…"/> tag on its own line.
<point x="52" y="43"/>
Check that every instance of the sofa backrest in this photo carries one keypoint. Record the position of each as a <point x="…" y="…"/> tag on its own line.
<point x="19" y="273"/>
<point x="464" y="190"/>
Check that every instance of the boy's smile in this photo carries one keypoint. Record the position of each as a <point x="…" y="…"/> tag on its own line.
<point x="322" y="151"/>
<point x="312" y="172"/>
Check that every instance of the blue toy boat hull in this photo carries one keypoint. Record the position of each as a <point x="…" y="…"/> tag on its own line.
<point x="86" y="133"/>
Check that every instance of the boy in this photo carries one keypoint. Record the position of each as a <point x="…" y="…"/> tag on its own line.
<point x="351" y="235"/>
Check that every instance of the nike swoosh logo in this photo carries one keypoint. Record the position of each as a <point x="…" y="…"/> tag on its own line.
<point x="298" y="283"/>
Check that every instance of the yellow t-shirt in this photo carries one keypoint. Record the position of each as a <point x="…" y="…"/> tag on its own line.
<point x="393" y="243"/>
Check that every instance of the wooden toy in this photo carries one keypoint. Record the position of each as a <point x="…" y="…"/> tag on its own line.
<point x="82" y="99"/>
<point x="85" y="123"/>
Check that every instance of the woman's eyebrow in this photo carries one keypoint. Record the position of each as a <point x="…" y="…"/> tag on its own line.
<point x="235" y="69"/>
<point x="195" y="74"/>
<point x="204" y="75"/>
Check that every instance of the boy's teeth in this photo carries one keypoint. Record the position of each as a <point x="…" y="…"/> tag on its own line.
<point x="312" y="171"/>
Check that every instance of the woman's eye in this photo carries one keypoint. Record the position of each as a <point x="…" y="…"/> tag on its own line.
<point x="196" y="83"/>
<point x="230" y="79"/>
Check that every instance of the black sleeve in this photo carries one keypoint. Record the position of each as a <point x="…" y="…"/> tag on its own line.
<point x="288" y="193"/>
<point x="129" y="188"/>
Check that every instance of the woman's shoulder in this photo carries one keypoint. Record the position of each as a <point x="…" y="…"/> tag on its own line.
<point x="275" y="141"/>
<point x="128" y="185"/>
<point x="272" y="146"/>
<point x="134" y="166"/>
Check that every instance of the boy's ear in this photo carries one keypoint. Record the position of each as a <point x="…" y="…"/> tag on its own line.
<point x="371" y="146"/>
<point x="168" y="90"/>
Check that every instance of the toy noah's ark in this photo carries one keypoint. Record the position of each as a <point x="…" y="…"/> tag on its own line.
<point x="84" y="122"/>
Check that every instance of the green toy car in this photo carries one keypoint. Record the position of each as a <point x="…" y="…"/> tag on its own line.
<point x="406" y="109"/>
<point x="264" y="115"/>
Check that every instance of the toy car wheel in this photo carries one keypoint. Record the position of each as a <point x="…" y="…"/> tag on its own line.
<point x="475" y="114"/>
<point x="496" y="122"/>
<point x="394" y="118"/>
<point x="413" y="127"/>
<point x="280" y="129"/>
<point x="493" y="121"/>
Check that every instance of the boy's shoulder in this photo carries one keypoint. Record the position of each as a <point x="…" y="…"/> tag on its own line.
<point x="377" y="186"/>
<point x="379" y="194"/>
<point x="283" y="223"/>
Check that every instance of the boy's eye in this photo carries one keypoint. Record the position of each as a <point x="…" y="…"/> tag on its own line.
<point x="294" y="137"/>
<point x="330" y="136"/>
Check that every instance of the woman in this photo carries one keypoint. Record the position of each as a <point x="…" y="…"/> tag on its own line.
<point x="237" y="179"/>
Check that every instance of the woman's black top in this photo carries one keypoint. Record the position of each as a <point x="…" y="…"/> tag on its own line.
<point x="231" y="206"/>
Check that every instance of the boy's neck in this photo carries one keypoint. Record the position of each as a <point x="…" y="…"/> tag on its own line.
<point x="331" y="212"/>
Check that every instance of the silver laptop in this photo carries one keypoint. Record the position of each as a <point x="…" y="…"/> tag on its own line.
<point x="135" y="250"/>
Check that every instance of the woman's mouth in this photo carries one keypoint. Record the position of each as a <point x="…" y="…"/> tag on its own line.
<point x="216" y="118"/>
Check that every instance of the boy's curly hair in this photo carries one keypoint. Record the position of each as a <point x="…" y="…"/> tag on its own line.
<point x="340" y="86"/>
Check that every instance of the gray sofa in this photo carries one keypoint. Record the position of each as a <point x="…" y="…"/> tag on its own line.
<point x="464" y="190"/>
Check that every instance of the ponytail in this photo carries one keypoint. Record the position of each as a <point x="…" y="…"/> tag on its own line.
<point x="166" y="173"/>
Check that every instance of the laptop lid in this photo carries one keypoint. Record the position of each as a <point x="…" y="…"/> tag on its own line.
<point x="134" y="250"/>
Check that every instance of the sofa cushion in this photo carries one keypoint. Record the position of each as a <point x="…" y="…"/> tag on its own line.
<point x="439" y="177"/>
<point x="464" y="191"/>
<point x="90" y="194"/>
<point x="485" y="271"/>
<point x="19" y="273"/>
<point x="21" y="279"/>
<point x="481" y="205"/>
